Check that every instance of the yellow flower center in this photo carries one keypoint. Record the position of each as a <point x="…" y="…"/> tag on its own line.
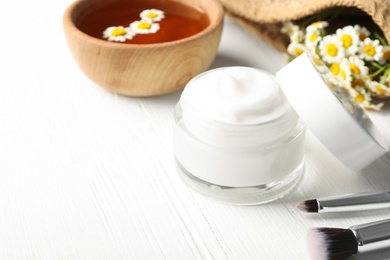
<point x="380" y="89"/>
<point x="359" y="98"/>
<point x="331" y="49"/>
<point x="118" y="32"/>
<point x="357" y="82"/>
<point x="354" y="69"/>
<point x="313" y="37"/>
<point x="144" y="25"/>
<point x="298" y="51"/>
<point x="316" y="23"/>
<point x="343" y="74"/>
<point x="369" y="50"/>
<point x="346" y="39"/>
<point x="151" y="15"/>
<point x="335" y="68"/>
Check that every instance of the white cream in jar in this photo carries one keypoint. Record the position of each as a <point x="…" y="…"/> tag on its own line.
<point x="236" y="137"/>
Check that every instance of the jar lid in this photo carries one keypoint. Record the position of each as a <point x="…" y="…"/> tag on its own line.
<point x="330" y="112"/>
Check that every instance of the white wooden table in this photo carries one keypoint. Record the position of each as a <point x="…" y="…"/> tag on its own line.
<point x="88" y="174"/>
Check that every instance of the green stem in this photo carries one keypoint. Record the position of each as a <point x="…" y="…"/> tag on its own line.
<point x="381" y="39"/>
<point x="385" y="68"/>
<point x="385" y="76"/>
<point x="376" y="65"/>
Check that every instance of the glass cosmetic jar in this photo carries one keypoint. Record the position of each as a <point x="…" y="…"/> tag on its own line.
<point x="237" y="138"/>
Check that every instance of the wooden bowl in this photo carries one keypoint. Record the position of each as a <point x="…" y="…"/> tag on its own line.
<point x="143" y="69"/>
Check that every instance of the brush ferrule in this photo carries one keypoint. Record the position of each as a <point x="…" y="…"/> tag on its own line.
<point x="353" y="202"/>
<point x="372" y="236"/>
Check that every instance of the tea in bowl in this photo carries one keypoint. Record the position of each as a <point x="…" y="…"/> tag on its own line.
<point x="143" y="47"/>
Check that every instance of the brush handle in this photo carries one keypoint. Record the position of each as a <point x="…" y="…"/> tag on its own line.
<point x="372" y="236"/>
<point x="353" y="202"/>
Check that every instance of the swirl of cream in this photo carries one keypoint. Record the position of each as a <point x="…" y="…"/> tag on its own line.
<point x="236" y="95"/>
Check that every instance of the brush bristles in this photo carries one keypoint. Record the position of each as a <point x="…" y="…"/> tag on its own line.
<point x="331" y="243"/>
<point x="310" y="206"/>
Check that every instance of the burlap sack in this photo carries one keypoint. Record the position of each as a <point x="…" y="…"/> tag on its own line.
<point x="264" y="17"/>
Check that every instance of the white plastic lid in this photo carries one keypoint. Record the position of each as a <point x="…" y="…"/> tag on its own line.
<point x="331" y="113"/>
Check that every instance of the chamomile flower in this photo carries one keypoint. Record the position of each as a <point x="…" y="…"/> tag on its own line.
<point x="363" y="98"/>
<point x="357" y="66"/>
<point x="335" y="68"/>
<point x="153" y="15"/>
<point x="350" y="58"/>
<point x="312" y="38"/>
<point x="350" y="39"/>
<point x="385" y="55"/>
<point x="362" y="32"/>
<point x="358" y="82"/>
<point x="297" y="36"/>
<point x="372" y="106"/>
<point x="370" y="50"/>
<point x="319" y="65"/>
<point x="345" y="74"/>
<point x="379" y="90"/>
<point x="319" y="25"/>
<point x="144" y="27"/>
<point x="295" y="49"/>
<point x="331" y="49"/>
<point x="118" y="34"/>
<point x="289" y="28"/>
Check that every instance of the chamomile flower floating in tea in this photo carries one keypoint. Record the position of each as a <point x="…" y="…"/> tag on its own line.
<point x="150" y="21"/>
<point x="360" y="63"/>
<point x="153" y="15"/>
<point x="118" y="34"/>
<point x="144" y="27"/>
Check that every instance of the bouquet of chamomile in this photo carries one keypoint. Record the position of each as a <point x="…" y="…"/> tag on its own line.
<point x="357" y="57"/>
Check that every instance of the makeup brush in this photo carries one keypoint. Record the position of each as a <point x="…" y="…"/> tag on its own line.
<point x="348" y="202"/>
<point x="337" y="243"/>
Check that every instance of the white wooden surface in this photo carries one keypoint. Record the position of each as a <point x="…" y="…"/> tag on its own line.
<point x="88" y="174"/>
